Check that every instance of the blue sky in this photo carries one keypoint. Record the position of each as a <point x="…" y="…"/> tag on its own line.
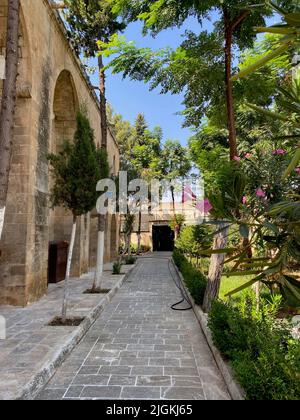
<point x="129" y="98"/>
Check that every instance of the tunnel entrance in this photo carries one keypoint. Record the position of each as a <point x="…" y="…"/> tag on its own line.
<point x="163" y="239"/>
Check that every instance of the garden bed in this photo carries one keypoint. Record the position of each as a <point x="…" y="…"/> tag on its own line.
<point x="49" y="346"/>
<point x="234" y="388"/>
<point x="254" y="349"/>
<point x="69" y="322"/>
<point x="97" y="291"/>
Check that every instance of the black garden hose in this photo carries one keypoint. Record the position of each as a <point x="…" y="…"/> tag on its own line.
<point x="179" y="286"/>
<point x="184" y="295"/>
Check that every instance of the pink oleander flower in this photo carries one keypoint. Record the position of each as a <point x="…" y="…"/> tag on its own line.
<point x="237" y="158"/>
<point x="245" y="200"/>
<point x="279" y="152"/>
<point x="248" y="155"/>
<point x="204" y="206"/>
<point x="260" y="193"/>
<point x="297" y="170"/>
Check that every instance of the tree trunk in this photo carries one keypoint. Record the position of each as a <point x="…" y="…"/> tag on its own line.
<point x="129" y="244"/>
<point x="256" y="290"/>
<point x="68" y="271"/>
<point x="100" y="253"/>
<point x="120" y="253"/>
<point x="221" y="239"/>
<point x="246" y="244"/>
<point x="216" y="267"/>
<point x="176" y="227"/>
<point x="8" y="102"/>
<point x="103" y="103"/>
<point x="139" y="234"/>
<point x="126" y="244"/>
<point x="101" y="218"/>
<point x="229" y="86"/>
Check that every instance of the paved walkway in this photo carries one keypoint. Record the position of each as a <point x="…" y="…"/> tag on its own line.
<point x="140" y="349"/>
<point x="31" y="345"/>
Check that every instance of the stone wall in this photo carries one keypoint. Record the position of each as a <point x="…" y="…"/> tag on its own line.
<point x="51" y="87"/>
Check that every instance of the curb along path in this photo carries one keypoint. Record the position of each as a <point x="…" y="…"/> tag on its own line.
<point x="33" y="351"/>
<point x="140" y="348"/>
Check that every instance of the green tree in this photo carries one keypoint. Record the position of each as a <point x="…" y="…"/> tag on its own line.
<point x="75" y="173"/>
<point x="199" y="66"/>
<point x="140" y="150"/>
<point x="194" y="239"/>
<point x="104" y="173"/>
<point x="141" y="127"/>
<point x="173" y="164"/>
<point x="277" y="223"/>
<point x="208" y="147"/>
<point x="124" y="133"/>
<point x="87" y="22"/>
<point x="147" y="147"/>
<point x="128" y="230"/>
<point x="288" y="39"/>
<point x="103" y="163"/>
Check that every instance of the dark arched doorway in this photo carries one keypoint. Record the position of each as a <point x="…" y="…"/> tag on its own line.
<point x="163" y="238"/>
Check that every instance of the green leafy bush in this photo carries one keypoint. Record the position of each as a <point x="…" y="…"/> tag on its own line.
<point x="263" y="354"/>
<point x="143" y="249"/>
<point x="117" y="268"/>
<point x="195" y="281"/>
<point x="193" y="239"/>
<point x="130" y="260"/>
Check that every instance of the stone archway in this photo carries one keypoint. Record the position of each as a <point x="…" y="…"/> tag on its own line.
<point x="65" y="108"/>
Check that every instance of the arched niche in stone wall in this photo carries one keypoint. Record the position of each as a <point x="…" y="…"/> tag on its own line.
<point x="65" y="107"/>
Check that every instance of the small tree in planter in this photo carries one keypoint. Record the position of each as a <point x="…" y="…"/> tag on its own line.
<point x="128" y="229"/>
<point x="103" y="164"/>
<point x="76" y="173"/>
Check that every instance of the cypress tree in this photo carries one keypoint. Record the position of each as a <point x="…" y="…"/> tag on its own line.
<point x="76" y="173"/>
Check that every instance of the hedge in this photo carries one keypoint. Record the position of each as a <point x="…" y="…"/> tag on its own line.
<point x="195" y="281"/>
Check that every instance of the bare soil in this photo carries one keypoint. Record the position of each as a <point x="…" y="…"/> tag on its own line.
<point x="97" y="291"/>
<point x="70" y="322"/>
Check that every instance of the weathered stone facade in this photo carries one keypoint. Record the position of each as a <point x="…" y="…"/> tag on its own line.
<point x="51" y="87"/>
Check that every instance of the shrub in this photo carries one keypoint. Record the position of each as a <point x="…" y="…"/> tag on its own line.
<point x="193" y="239"/>
<point x="130" y="260"/>
<point x="143" y="249"/>
<point x="117" y="268"/>
<point x="270" y="376"/>
<point x="195" y="281"/>
<point x="263" y="354"/>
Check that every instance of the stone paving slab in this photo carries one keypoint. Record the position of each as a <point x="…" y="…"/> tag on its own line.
<point x="140" y="348"/>
<point x="34" y="350"/>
